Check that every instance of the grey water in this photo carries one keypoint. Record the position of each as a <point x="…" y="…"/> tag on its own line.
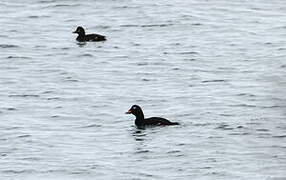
<point x="216" y="67"/>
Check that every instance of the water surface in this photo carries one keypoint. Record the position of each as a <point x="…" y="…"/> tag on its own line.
<point x="217" y="67"/>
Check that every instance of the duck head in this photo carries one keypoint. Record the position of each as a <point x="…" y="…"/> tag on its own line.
<point x="79" y="30"/>
<point x="136" y="111"/>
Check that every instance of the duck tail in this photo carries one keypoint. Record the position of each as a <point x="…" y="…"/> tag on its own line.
<point x="174" y="123"/>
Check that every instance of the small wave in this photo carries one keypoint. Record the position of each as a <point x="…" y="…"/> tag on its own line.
<point x="190" y="59"/>
<point x="3" y="154"/>
<point x="147" y="25"/>
<point x="125" y="7"/>
<point x="91" y="126"/>
<point x="11" y="171"/>
<point x="71" y="80"/>
<point x="53" y="98"/>
<point x="33" y="17"/>
<point x="188" y="52"/>
<point x="176" y="69"/>
<point x="47" y="1"/>
<point x="85" y="55"/>
<point x="197" y="24"/>
<point x="47" y="92"/>
<point x="262" y="130"/>
<point x="103" y="27"/>
<point x="24" y="95"/>
<point x="270" y="107"/>
<point x="17" y="57"/>
<point x="243" y="105"/>
<point x="202" y="124"/>
<point x="142" y="64"/>
<point x="215" y="137"/>
<point x="24" y="136"/>
<point x="173" y="151"/>
<point x="64" y="5"/>
<point x="224" y="127"/>
<point x="280" y="136"/>
<point x="213" y="81"/>
<point x="10" y="109"/>
<point x="246" y="94"/>
<point x="239" y="133"/>
<point x="226" y="115"/>
<point x="61" y="6"/>
<point x="144" y="79"/>
<point x="8" y="46"/>
<point x="142" y="151"/>
<point x="156" y="25"/>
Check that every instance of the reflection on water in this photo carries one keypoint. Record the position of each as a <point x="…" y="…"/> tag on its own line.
<point x="81" y="44"/>
<point x="139" y="134"/>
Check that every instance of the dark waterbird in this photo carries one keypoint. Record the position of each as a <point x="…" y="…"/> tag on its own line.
<point x="140" y="121"/>
<point x="82" y="37"/>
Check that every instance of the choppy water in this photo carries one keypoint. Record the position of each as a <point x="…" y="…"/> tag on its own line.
<point x="217" y="67"/>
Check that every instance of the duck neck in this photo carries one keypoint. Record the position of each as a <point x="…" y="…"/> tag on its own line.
<point x="81" y="34"/>
<point x="140" y="116"/>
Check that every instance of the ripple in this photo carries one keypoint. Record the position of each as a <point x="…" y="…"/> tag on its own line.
<point x="147" y="25"/>
<point x="48" y="92"/>
<point x="18" y="57"/>
<point x="243" y="105"/>
<point x="173" y="152"/>
<point x="47" y="1"/>
<point x="188" y="52"/>
<point x="33" y="17"/>
<point x="142" y="64"/>
<point x="12" y="171"/>
<point x="144" y="79"/>
<point x="196" y="24"/>
<point x="3" y="154"/>
<point x="142" y="151"/>
<point x="239" y="133"/>
<point x="262" y="130"/>
<point x="24" y="136"/>
<point x="91" y="126"/>
<point x="62" y="6"/>
<point x="224" y="127"/>
<point x="214" y="81"/>
<point x="24" y="95"/>
<point x="246" y="94"/>
<point x="8" y="46"/>
<point x="10" y="109"/>
<point x="85" y="55"/>
<point x="227" y="115"/>
<point x="53" y="98"/>
<point x="280" y="136"/>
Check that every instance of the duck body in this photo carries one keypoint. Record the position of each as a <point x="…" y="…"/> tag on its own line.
<point x="154" y="121"/>
<point x="140" y="121"/>
<point x="82" y="37"/>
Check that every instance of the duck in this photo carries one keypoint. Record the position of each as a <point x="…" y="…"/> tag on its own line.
<point x="82" y="37"/>
<point x="141" y="121"/>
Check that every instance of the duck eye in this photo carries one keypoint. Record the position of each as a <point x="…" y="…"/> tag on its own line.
<point x="134" y="107"/>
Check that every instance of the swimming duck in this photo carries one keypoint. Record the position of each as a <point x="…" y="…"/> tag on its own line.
<point x="152" y="121"/>
<point x="82" y="37"/>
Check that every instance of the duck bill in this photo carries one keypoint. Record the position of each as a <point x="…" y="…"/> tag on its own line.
<point x="128" y="112"/>
<point x="74" y="32"/>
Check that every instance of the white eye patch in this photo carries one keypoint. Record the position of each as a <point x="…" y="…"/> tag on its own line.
<point x="134" y="107"/>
